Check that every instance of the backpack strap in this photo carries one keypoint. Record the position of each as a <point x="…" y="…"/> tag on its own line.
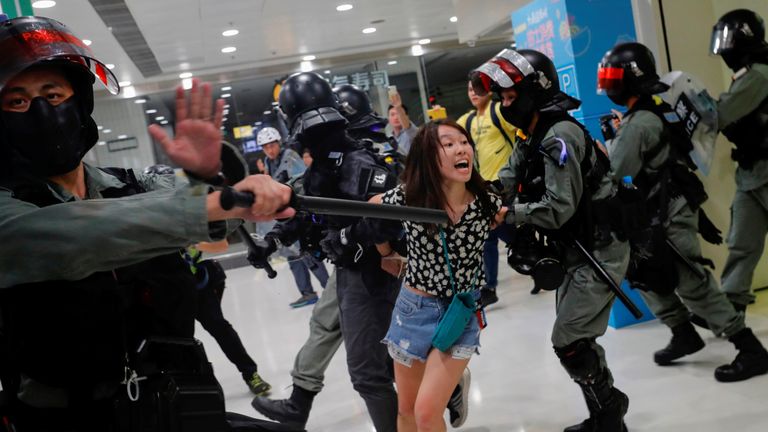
<point x="468" y="122"/>
<point x="497" y="122"/>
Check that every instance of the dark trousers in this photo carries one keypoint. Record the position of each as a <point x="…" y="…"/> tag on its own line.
<point x="366" y="299"/>
<point x="301" y="266"/>
<point x="491" y="254"/>
<point x="209" y="315"/>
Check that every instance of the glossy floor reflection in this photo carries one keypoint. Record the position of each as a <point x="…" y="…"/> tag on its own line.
<point x="518" y="384"/>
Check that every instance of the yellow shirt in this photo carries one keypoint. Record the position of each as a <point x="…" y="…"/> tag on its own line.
<point x="491" y="149"/>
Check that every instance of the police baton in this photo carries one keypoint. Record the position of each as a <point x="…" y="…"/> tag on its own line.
<point x="339" y="207"/>
<point x="633" y="309"/>
<point x="697" y="271"/>
<point x="253" y="257"/>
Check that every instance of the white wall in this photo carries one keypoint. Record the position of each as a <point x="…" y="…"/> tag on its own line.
<point x="122" y="117"/>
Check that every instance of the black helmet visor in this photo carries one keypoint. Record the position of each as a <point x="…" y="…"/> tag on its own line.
<point x="722" y="38"/>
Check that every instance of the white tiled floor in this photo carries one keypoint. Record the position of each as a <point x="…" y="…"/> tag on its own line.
<point x="518" y="384"/>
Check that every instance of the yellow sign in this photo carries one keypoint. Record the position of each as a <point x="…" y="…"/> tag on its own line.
<point x="243" y="132"/>
<point x="437" y="113"/>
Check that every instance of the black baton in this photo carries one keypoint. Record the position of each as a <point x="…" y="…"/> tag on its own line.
<point x="258" y="263"/>
<point x="633" y="309"/>
<point x="684" y="259"/>
<point x="339" y="207"/>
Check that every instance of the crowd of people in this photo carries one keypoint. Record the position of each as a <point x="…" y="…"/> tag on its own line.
<point x="406" y="296"/>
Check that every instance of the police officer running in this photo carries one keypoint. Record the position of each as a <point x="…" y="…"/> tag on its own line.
<point x="559" y="175"/>
<point x="669" y="271"/>
<point x="742" y="114"/>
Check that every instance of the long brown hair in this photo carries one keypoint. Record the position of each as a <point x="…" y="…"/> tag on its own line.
<point x="422" y="179"/>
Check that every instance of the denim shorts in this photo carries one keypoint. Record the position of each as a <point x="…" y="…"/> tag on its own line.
<point x="414" y="322"/>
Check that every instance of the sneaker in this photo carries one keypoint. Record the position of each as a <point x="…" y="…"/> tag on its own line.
<point x="458" y="405"/>
<point x="488" y="297"/>
<point x="258" y="386"/>
<point x="305" y="300"/>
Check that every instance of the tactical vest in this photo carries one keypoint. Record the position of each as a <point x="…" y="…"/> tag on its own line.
<point x="749" y="135"/>
<point x="357" y="174"/>
<point x="76" y="335"/>
<point x="676" y="176"/>
<point x="532" y="188"/>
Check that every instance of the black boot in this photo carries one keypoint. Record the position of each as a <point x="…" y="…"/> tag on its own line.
<point x="752" y="359"/>
<point x="607" y="406"/>
<point x="293" y="411"/>
<point x="684" y="341"/>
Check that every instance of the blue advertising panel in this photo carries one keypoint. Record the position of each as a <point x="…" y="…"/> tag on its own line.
<point x="595" y="27"/>
<point x="542" y="25"/>
<point x="575" y="34"/>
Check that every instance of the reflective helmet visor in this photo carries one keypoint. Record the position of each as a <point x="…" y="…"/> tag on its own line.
<point x="609" y="79"/>
<point x="503" y="71"/>
<point x="27" y="41"/>
<point x="722" y="39"/>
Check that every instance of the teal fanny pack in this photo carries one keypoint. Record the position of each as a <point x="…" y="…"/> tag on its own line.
<point x="454" y="321"/>
<point x="460" y="311"/>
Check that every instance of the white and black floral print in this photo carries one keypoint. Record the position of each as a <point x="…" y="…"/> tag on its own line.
<point x="427" y="269"/>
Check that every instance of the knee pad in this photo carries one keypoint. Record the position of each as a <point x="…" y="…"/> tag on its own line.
<point x="580" y="360"/>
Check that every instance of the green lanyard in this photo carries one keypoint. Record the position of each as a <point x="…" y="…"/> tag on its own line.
<point x="450" y="269"/>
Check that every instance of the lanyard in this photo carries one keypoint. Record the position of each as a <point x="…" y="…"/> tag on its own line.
<point x="450" y="269"/>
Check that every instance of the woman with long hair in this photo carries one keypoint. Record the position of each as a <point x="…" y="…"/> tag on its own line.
<point x="436" y="307"/>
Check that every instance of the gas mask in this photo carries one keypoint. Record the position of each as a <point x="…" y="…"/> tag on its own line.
<point x="533" y="256"/>
<point x="49" y="140"/>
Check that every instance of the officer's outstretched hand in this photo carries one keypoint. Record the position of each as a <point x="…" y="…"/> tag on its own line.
<point x="196" y="147"/>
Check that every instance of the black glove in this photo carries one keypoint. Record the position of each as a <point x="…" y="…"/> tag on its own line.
<point x="264" y="248"/>
<point x="339" y="248"/>
<point x="708" y="230"/>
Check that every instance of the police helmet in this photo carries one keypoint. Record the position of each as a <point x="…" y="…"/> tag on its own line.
<point x="356" y="108"/>
<point x="738" y="36"/>
<point x="30" y="40"/>
<point x="530" y="72"/>
<point x="307" y="101"/>
<point x="628" y="69"/>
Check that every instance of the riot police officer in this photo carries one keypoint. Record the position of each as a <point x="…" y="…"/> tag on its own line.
<point x="70" y="237"/>
<point x="364" y="123"/>
<point x="739" y="38"/>
<point x="559" y="174"/>
<point x="655" y="154"/>
<point x="343" y="168"/>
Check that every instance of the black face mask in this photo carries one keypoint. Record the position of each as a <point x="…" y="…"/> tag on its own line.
<point x="323" y="140"/>
<point x="733" y="59"/>
<point x="48" y="140"/>
<point x="619" y="98"/>
<point x="520" y="112"/>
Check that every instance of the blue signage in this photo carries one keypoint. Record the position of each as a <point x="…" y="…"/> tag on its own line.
<point x="575" y="34"/>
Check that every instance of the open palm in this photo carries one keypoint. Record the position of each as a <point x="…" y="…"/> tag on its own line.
<point x="196" y="146"/>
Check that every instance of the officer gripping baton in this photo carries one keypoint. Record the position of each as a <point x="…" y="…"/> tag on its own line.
<point x="609" y="280"/>
<point x="338" y="207"/>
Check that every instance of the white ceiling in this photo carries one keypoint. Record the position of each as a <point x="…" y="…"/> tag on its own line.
<point x="185" y="35"/>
